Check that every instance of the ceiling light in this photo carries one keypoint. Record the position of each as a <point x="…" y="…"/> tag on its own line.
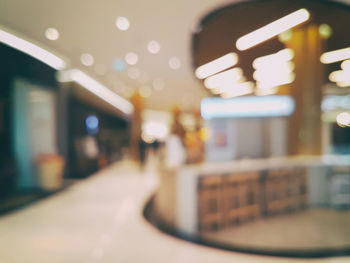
<point x="272" y="73"/>
<point x="343" y="119"/>
<point x="122" y="23"/>
<point x="96" y="88"/>
<point x="273" y="29"/>
<point x="275" y="59"/>
<point x="325" y="31"/>
<point x="131" y="58"/>
<point x="87" y="59"/>
<point x="174" y="63"/>
<point x="335" y="56"/>
<point x="153" y="47"/>
<point x="118" y="64"/>
<point x="239" y="90"/>
<point x="224" y="78"/>
<point x="285" y="36"/>
<point x="277" y="80"/>
<point x="217" y="65"/>
<point x="340" y="76"/>
<point x="346" y="65"/>
<point x="31" y="49"/>
<point x="52" y="34"/>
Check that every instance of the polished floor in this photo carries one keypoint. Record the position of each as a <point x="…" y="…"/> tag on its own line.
<point x="301" y="230"/>
<point x="100" y="220"/>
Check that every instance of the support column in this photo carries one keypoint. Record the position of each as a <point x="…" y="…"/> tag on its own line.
<point x="304" y="125"/>
<point x="136" y="123"/>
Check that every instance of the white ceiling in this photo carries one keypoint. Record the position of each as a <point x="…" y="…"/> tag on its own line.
<point x="88" y="26"/>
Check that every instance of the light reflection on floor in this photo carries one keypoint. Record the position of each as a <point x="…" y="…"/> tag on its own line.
<point x="310" y="229"/>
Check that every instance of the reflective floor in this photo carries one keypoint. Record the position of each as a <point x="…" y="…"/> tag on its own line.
<point x="298" y="231"/>
<point x="100" y="220"/>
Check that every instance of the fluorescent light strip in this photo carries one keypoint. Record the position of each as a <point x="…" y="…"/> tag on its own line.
<point x="340" y="76"/>
<point x="345" y="65"/>
<point x="224" y="78"/>
<point x="32" y="50"/>
<point x="98" y="89"/>
<point x="335" y="56"/>
<point x="273" y="29"/>
<point x="278" y="81"/>
<point x="272" y="73"/>
<point x="252" y="106"/>
<point x="233" y="87"/>
<point x="239" y="90"/>
<point x="217" y="65"/>
<point x="274" y="59"/>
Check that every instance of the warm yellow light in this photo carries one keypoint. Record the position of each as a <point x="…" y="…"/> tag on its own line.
<point x="278" y="58"/>
<point x="225" y="78"/>
<point x="346" y="65"/>
<point x="273" y="29"/>
<point x="325" y="31"/>
<point x="217" y="65"/>
<point x="343" y="119"/>
<point x="285" y="36"/>
<point x="335" y="56"/>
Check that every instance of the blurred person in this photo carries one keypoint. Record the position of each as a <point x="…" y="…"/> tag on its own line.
<point x="142" y="152"/>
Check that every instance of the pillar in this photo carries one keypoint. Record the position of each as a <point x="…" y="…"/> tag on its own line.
<point x="304" y="126"/>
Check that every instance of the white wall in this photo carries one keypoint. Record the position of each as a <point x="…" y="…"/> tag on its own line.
<point x="246" y="138"/>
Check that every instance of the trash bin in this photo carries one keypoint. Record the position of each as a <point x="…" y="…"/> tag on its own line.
<point x="50" y="171"/>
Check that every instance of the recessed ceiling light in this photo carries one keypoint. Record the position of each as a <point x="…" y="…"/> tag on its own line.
<point x="131" y="58"/>
<point x="153" y="47"/>
<point x="87" y="59"/>
<point x="174" y="63"/>
<point x="119" y="64"/>
<point x="122" y="23"/>
<point x="52" y="33"/>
